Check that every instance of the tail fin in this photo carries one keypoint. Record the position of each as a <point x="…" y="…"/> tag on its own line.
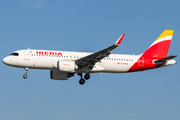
<point x="160" y="47"/>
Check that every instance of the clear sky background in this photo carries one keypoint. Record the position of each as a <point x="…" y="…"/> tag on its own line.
<point x="90" y="26"/>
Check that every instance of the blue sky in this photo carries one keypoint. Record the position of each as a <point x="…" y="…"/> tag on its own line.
<point x="88" y="25"/>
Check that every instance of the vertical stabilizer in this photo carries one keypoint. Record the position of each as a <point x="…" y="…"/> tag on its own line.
<point x="160" y="47"/>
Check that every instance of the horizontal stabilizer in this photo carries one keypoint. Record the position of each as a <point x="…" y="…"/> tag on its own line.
<point x="165" y="59"/>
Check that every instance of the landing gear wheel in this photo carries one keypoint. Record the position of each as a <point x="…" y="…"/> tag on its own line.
<point x="87" y="76"/>
<point x="26" y="71"/>
<point x="24" y="76"/>
<point x="81" y="81"/>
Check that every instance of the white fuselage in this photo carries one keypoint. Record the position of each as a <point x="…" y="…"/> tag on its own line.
<point x="46" y="59"/>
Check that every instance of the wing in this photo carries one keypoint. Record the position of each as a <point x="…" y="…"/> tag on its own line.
<point x="90" y="60"/>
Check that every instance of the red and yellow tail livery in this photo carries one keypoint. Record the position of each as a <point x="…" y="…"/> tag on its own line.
<point x="158" y="50"/>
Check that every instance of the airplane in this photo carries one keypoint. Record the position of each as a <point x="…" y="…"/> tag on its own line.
<point x="65" y="64"/>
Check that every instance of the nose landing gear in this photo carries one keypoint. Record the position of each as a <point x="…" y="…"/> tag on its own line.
<point x="25" y="75"/>
<point x="82" y="81"/>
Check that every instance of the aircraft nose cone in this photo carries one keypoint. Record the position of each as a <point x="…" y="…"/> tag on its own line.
<point x="5" y="60"/>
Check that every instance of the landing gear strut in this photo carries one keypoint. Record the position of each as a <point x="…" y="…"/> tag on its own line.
<point x="82" y="81"/>
<point x="25" y="75"/>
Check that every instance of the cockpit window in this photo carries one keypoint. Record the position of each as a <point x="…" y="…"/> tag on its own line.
<point x="14" y="54"/>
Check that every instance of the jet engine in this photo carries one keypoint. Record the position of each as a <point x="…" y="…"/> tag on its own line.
<point x="66" y="66"/>
<point x="54" y="74"/>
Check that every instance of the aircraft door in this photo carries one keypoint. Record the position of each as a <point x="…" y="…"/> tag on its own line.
<point x="141" y="61"/>
<point x="27" y="54"/>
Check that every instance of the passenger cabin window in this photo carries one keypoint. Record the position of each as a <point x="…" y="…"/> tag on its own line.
<point x="14" y="54"/>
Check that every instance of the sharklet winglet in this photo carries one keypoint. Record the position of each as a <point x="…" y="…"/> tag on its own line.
<point x="119" y="40"/>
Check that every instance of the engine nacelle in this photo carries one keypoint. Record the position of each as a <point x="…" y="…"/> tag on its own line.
<point x="66" y="66"/>
<point x="54" y="74"/>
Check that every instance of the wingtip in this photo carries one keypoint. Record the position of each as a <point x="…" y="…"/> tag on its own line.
<point x="120" y="39"/>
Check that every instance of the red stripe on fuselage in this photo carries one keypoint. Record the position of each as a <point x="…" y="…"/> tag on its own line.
<point x="155" y="52"/>
<point x="147" y="64"/>
<point x="159" y="50"/>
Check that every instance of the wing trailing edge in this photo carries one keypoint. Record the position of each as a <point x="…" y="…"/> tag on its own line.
<point x="90" y="60"/>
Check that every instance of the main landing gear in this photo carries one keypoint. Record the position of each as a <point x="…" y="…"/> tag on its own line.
<point x="86" y="76"/>
<point x="25" y="75"/>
